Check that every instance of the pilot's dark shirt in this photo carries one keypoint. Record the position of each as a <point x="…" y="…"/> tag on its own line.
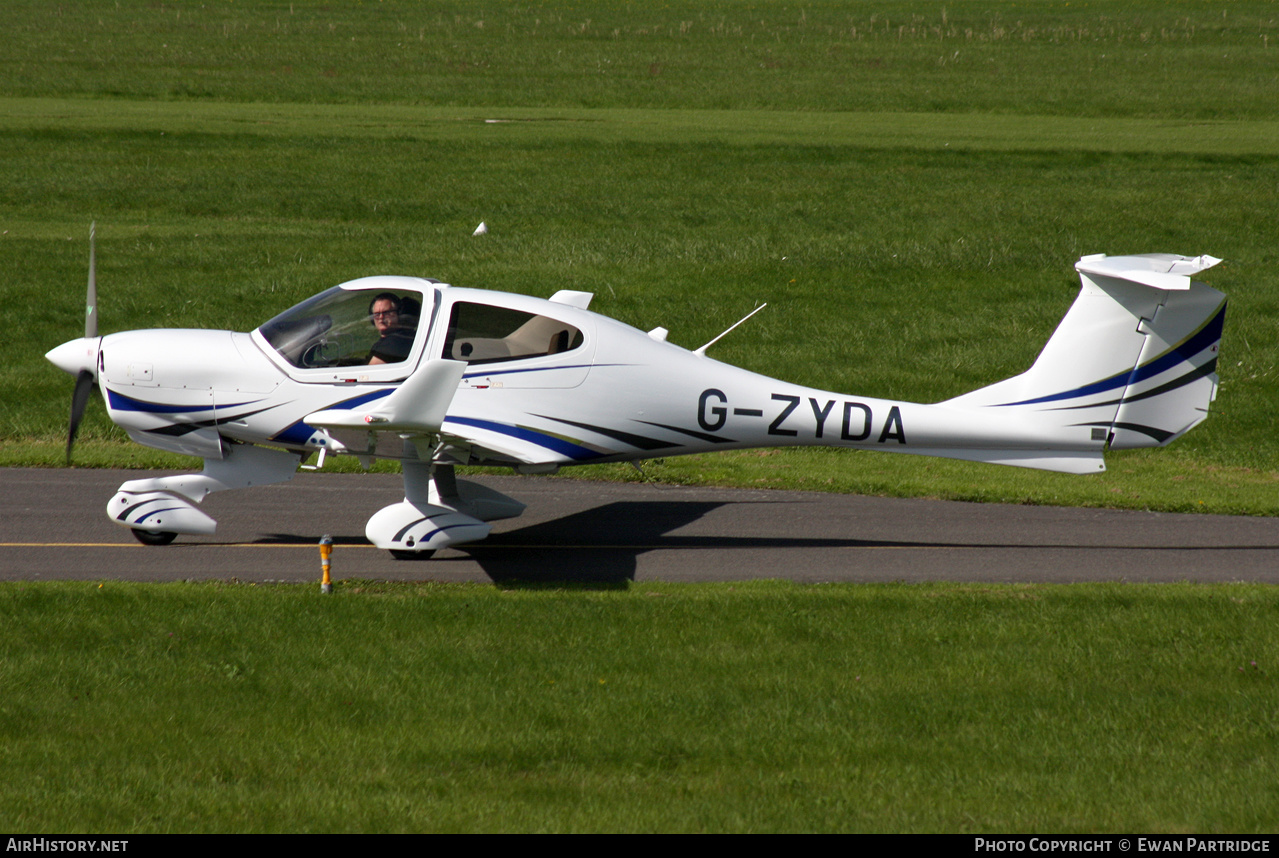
<point x="394" y="347"/>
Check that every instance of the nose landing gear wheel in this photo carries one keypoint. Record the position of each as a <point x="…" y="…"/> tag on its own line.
<point x="399" y="554"/>
<point x="146" y="537"/>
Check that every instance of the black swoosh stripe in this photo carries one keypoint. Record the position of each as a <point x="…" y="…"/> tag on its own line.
<point x="639" y="441"/>
<point x="1192" y="376"/>
<point x="715" y="439"/>
<point x="177" y="429"/>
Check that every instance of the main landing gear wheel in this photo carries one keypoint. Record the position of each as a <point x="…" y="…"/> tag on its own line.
<point x="146" y="537"/>
<point x="400" y="554"/>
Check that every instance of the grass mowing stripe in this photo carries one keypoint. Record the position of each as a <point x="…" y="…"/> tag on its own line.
<point x="975" y="131"/>
<point x="1190" y="59"/>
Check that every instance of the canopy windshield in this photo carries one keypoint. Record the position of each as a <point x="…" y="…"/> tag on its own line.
<point x="344" y="327"/>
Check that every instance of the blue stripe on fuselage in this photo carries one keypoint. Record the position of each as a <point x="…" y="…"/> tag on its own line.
<point x="120" y="402"/>
<point x="1184" y="351"/>
<point x="541" y="439"/>
<point x="300" y="433"/>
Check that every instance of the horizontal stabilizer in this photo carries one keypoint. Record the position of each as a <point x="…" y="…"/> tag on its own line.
<point x="1157" y="270"/>
<point x="419" y="404"/>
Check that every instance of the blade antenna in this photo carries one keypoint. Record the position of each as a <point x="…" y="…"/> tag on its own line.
<point x="702" y="350"/>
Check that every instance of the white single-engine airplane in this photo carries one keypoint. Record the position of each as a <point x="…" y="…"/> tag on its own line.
<point x="437" y="376"/>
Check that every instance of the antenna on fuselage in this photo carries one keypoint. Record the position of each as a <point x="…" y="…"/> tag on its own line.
<point x="702" y="350"/>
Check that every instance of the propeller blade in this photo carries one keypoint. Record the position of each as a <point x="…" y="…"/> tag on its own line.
<point x="83" y="389"/>
<point x="91" y="300"/>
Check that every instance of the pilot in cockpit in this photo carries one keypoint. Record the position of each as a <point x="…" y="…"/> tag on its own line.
<point x="396" y="321"/>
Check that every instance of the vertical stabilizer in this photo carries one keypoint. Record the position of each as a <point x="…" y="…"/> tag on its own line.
<point x="1133" y="362"/>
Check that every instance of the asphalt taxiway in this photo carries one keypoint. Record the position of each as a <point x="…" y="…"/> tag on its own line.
<point x="53" y="525"/>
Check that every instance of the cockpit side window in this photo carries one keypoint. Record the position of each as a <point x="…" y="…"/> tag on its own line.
<point x="341" y="327"/>
<point x="481" y="333"/>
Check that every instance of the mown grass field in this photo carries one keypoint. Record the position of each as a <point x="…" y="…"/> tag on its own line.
<point x="906" y="184"/>
<point x="745" y="708"/>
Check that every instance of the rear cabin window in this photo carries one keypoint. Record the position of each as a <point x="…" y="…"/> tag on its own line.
<point x="481" y="333"/>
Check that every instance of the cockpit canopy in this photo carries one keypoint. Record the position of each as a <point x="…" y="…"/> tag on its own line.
<point x="378" y="329"/>
<point x="337" y="327"/>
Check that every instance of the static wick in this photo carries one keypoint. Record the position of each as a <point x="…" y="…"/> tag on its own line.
<point x="326" y="552"/>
